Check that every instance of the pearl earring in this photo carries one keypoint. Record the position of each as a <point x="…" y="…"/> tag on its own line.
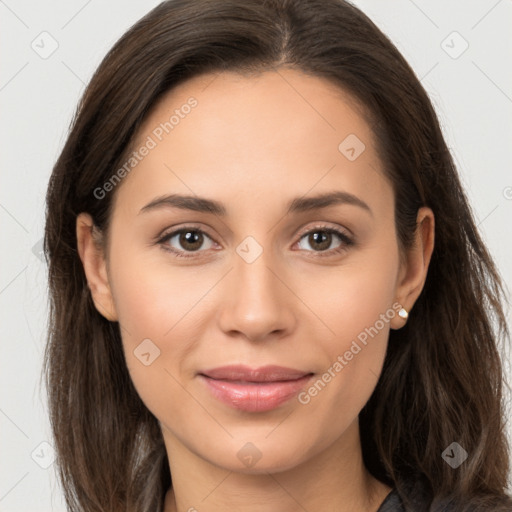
<point x="402" y="313"/>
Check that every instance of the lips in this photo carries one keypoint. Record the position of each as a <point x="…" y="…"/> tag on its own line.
<point x="254" y="389"/>
<point x="247" y="374"/>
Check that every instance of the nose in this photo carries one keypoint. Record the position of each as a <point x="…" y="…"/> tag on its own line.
<point x="259" y="305"/>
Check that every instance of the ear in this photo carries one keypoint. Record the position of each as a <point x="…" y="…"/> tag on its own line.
<point x="92" y="254"/>
<point x="414" y="267"/>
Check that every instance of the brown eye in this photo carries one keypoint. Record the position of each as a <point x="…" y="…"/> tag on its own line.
<point x="190" y="240"/>
<point x="186" y="240"/>
<point x="321" y="239"/>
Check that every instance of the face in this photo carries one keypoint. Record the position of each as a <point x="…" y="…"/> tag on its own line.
<point x="273" y="276"/>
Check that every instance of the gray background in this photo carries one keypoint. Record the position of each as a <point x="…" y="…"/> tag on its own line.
<point x="471" y="89"/>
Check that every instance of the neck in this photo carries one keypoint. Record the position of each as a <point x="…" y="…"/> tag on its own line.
<point x="334" y="479"/>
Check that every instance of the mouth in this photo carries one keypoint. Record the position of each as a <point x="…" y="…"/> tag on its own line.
<point x="254" y="390"/>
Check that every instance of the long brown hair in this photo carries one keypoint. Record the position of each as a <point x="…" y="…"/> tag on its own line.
<point x="442" y="378"/>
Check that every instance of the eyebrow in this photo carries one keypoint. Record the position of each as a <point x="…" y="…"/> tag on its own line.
<point x="297" y="205"/>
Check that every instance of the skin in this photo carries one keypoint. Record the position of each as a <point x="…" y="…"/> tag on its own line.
<point x="254" y="143"/>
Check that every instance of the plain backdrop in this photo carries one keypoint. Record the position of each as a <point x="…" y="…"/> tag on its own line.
<point x="459" y="50"/>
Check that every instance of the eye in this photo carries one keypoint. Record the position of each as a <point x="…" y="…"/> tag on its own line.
<point x="192" y="240"/>
<point x="188" y="239"/>
<point x="321" y="239"/>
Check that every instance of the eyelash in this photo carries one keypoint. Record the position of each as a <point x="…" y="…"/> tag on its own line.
<point x="345" y="239"/>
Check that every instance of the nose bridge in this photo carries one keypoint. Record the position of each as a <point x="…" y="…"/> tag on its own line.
<point x="253" y="274"/>
<point x="256" y="284"/>
<point x="257" y="304"/>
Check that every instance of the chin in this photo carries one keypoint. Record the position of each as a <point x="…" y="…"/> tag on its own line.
<point x="259" y="457"/>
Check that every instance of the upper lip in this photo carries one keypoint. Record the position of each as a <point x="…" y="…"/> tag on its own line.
<point x="270" y="373"/>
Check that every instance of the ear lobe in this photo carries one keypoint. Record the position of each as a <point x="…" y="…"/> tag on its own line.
<point x="93" y="259"/>
<point x="413" y="272"/>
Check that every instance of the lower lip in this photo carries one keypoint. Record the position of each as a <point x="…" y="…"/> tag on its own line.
<point x="255" y="396"/>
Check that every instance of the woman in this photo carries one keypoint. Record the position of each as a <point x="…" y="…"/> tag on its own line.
<point x="268" y="291"/>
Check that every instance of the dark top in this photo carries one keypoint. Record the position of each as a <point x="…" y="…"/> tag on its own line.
<point x="421" y="500"/>
<point x="419" y="497"/>
<point x="392" y="503"/>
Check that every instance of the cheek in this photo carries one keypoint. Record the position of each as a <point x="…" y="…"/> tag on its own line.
<point x="146" y="308"/>
<point x="357" y="304"/>
<point x="352" y="299"/>
<point x="148" y="315"/>
<point x="161" y="315"/>
<point x="151" y="297"/>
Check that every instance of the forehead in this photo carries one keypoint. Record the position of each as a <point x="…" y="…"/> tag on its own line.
<point x="269" y="101"/>
<point x="228" y="134"/>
